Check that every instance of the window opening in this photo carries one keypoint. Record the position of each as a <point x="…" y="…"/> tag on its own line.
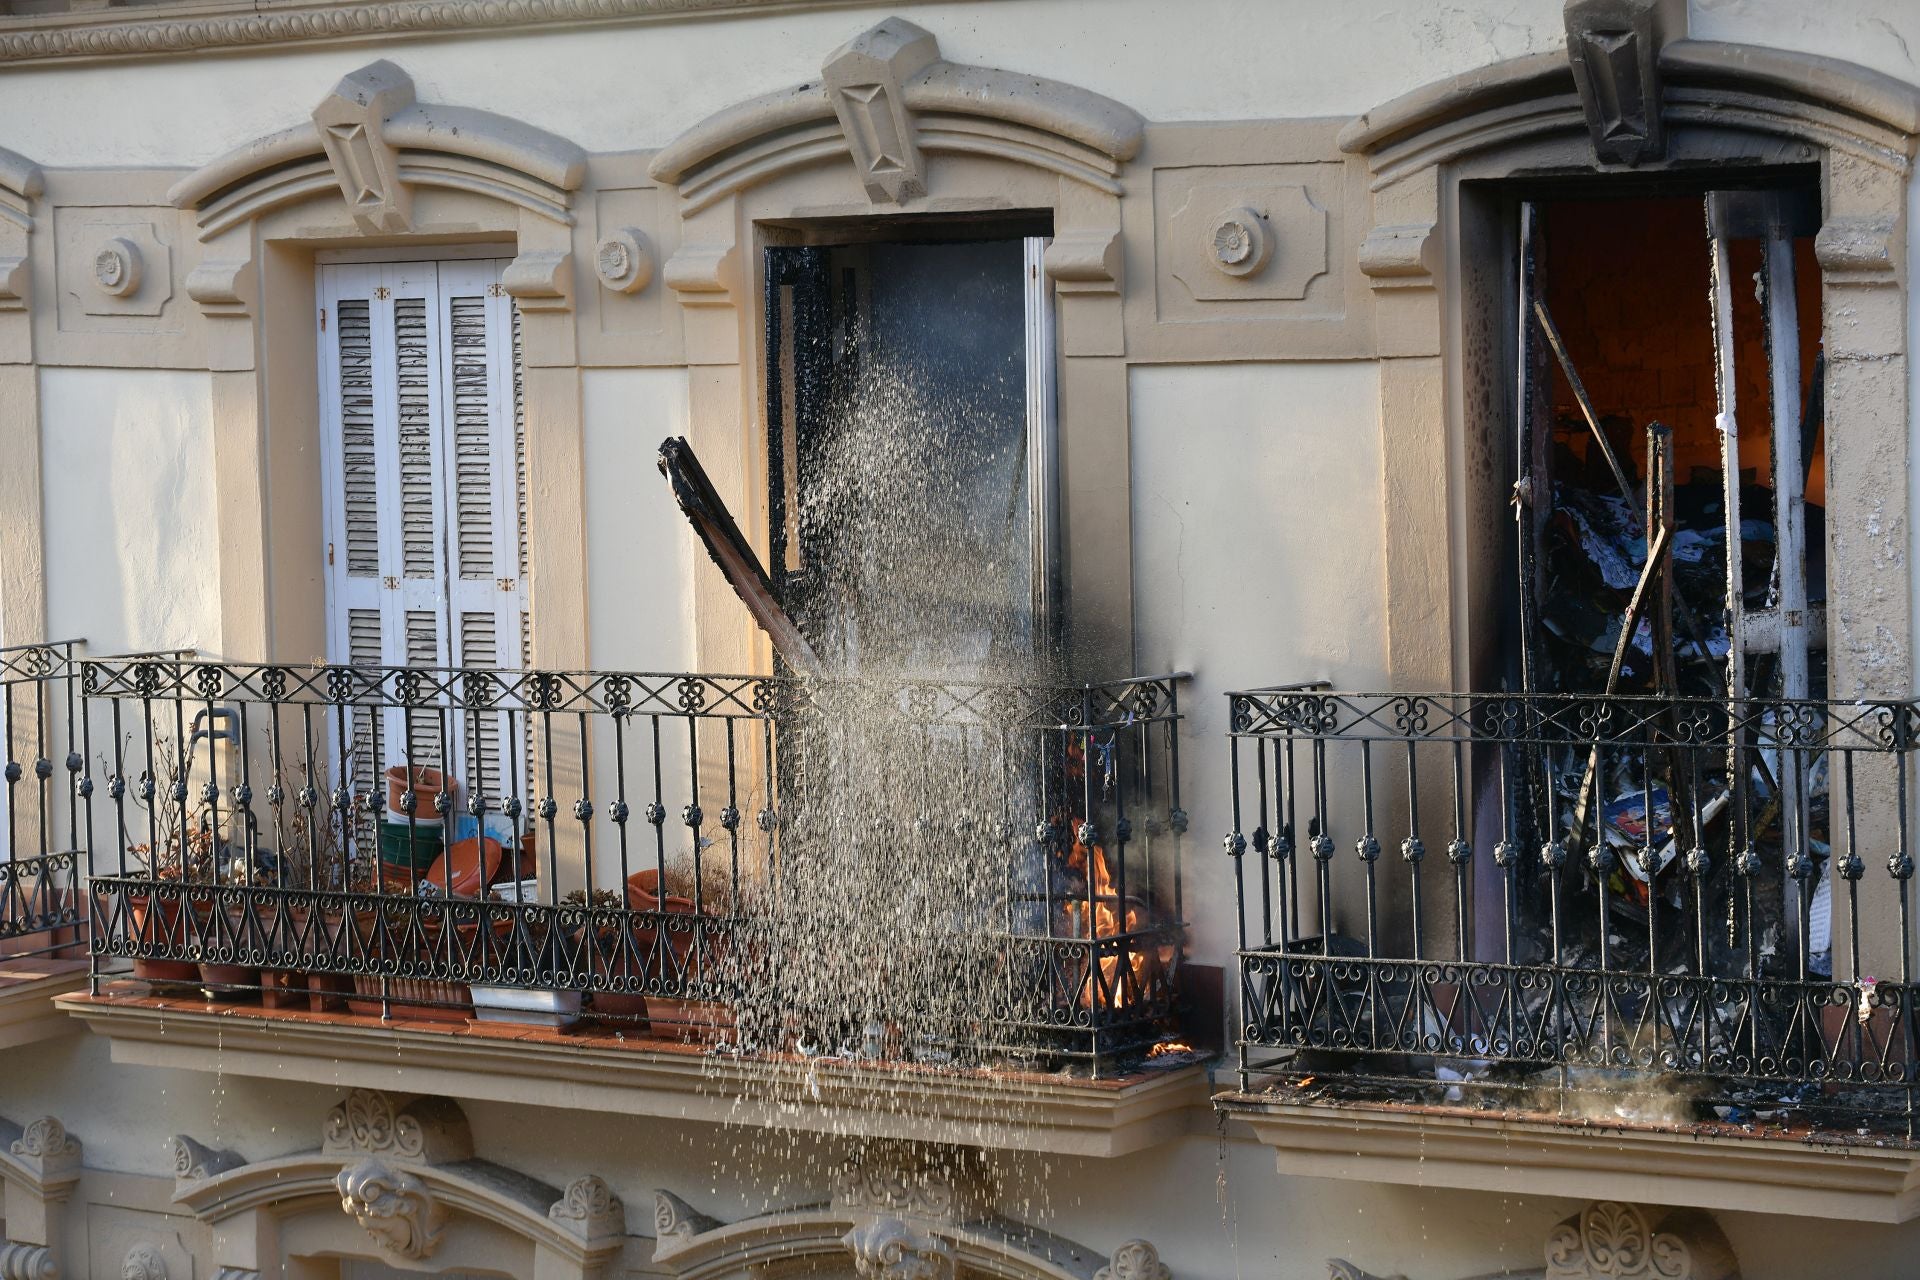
<point x="910" y="447"/>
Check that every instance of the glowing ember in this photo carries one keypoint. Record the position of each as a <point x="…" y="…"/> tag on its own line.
<point x="1168" y="1048"/>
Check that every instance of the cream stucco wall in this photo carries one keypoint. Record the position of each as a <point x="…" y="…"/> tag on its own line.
<point x="131" y="533"/>
<point x="1257" y="543"/>
<point x="639" y="557"/>
<point x="1257" y="560"/>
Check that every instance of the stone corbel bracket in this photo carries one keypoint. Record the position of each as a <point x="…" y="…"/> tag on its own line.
<point x="1085" y="261"/>
<point x="21" y="183"/>
<point x="704" y="275"/>
<point x="1859" y="250"/>
<point x="224" y="289"/>
<point x="372" y="143"/>
<point x="540" y="280"/>
<point x="887" y="100"/>
<point x="1403" y="256"/>
<point x="592" y="1215"/>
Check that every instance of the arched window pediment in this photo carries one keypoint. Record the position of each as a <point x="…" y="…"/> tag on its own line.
<point x="373" y="142"/>
<point x="886" y="100"/>
<point x="1833" y="104"/>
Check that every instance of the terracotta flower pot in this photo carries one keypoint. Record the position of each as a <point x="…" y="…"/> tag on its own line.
<point x="160" y="926"/>
<point x="467" y="867"/>
<point x="428" y="782"/>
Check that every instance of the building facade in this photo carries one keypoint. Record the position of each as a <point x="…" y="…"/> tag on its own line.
<point x="1099" y="391"/>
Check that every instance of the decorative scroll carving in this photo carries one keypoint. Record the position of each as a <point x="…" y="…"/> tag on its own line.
<point x="1609" y="1241"/>
<point x="674" y="1219"/>
<point x="888" y="1249"/>
<point x="863" y="79"/>
<point x="27" y="1262"/>
<point x="352" y="124"/>
<point x="393" y="1207"/>
<point x="1134" y="1260"/>
<point x="45" y="1139"/>
<point x="897" y="1180"/>
<point x="590" y="1210"/>
<point x="1341" y="1269"/>
<point x="1614" y="48"/>
<point x="428" y="1130"/>
<point x="143" y="1263"/>
<point x="192" y="1161"/>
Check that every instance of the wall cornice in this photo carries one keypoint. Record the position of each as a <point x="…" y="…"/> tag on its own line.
<point x="214" y="25"/>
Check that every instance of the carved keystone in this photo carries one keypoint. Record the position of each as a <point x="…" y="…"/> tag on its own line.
<point x="864" y="79"/>
<point x="888" y="1249"/>
<point x="393" y="1207"/>
<point x="1134" y="1260"/>
<point x="351" y="123"/>
<point x="1614" y="47"/>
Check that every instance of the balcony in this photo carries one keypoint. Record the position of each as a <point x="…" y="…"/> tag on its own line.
<point x="684" y="894"/>
<point x="1468" y="956"/>
<point x="41" y="912"/>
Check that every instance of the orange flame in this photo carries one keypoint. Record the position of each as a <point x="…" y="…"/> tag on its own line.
<point x="1106" y="924"/>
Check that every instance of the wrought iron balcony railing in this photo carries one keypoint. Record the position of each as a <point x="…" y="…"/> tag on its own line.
<point x="40" y="907"/>
<point x="1590" y="894"/>
<point x="995" y="867"/>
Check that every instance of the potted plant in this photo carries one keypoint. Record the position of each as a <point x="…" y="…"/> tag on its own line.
<point x="686" y="1018"/>
<point x="179" y="850"/>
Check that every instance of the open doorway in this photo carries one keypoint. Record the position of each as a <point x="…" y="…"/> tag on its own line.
<point x="1668" y="499"/>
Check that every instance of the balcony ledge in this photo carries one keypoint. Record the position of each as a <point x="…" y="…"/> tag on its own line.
<point x="27" y="990"/>
<point x="1703" y="1166"/>
<point x="1055" y="1114"/>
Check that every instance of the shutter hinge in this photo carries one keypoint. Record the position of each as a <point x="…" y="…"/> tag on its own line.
<point x="390" y="582"/>
<point x="329" y="545"/>
<point x="504" y="584"/>
<point x="323" y="319"/>
<point x="382" y="293"/>
<point x="496" y="290"/>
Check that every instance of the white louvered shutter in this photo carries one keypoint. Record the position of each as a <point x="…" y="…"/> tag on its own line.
<point x="423" y="499"/>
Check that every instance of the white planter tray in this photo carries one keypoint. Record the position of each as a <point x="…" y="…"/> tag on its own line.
<point x="526" y="1005"/>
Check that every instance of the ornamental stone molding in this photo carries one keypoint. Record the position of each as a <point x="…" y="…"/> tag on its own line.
<point x="84" y="31"/>
<point x="27" y="1262"/>
<point x="623" y="259"/>
<point x="589" y="1209"/>
<point x="424" y="1130"/>
<point x="45" y="1140"/>
<point x="1613" y="1241"/>
<point x="373" y="145"/>
<point x="888" y="101"/>
<point x="943" y="1184"/>
<point x="1135" y="1260"/>
<point x="888" y="1249"/>
<point x="144" y="1262"/>
<point x="401" y="1170"/>
<point x="393" y="1207"/>
<point x="193" y="1160"/>
<point x="894" y="1222"/>
<point x="1613" y="47"/>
